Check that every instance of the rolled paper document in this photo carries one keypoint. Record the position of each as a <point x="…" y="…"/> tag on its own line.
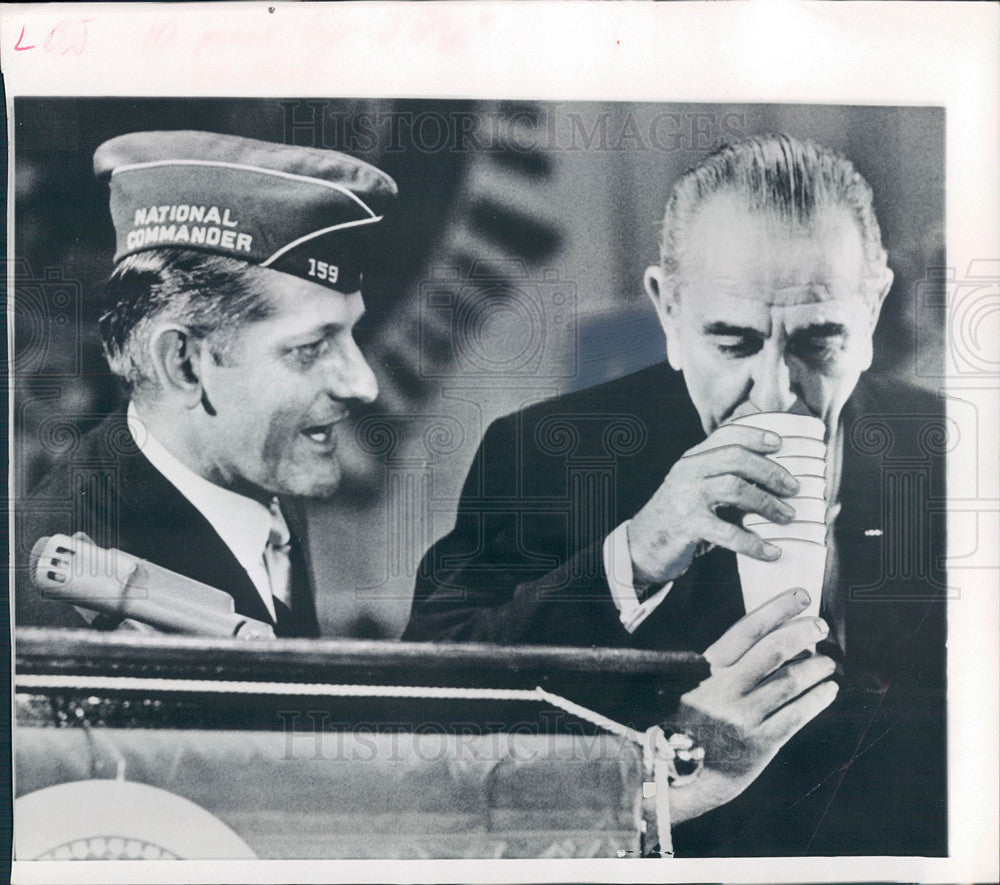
<point x="802" y="541"/>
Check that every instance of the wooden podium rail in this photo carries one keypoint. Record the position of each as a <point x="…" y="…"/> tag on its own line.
<point x="203" y="753"/>
<point x="637" y="687"/>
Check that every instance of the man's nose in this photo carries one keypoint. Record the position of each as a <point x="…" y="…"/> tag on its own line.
<point x="772" y="389"/>
<point x="353" y="378"/>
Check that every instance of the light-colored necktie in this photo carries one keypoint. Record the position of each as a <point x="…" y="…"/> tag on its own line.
<point x="276" y="556"/>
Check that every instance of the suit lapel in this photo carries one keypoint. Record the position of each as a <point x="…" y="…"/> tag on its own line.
<point x="859" y="534"/>
<point x="158" y="523"/>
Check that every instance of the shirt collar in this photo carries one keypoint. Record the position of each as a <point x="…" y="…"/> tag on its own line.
<point x="242" y="523"/>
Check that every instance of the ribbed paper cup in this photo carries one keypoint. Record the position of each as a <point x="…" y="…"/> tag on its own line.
<point x="798" y="465"/>
<point x="810" y="486"/>
<point x="806" y="510"/>
<point x="803" y="540"/>
<point x="794" y="531"/>
<point x="785" y="424"/>
<point x="801" y="447"/>
<point x="802" y="564"/>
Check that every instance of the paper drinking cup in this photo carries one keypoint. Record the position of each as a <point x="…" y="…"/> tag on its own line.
<point x="806" y="510"/>
<point x="809" y="487"/>
<point x="802" y="564"/>
<point x="800" y="447"/>
<point x="803" y="540"/>
<point x="777" y="534"/>
<point x="785" y="424"/>
<point x="798" y="465"/>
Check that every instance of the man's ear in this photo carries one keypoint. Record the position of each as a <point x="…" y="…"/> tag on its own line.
<point x="885" y="285"/>
<point x="878" y="299"/>
<point x="662" y="293"/>
<point x="176" y="358"/>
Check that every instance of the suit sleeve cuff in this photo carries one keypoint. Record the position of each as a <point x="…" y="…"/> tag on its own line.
<point x="618" y="568"/>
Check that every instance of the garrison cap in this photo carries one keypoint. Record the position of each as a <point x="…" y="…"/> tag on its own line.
<point x="298" y="210"/>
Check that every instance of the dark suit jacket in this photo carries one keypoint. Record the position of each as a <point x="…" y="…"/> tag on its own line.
<point x="524" y="564"/>
<point x="107" y="488"/>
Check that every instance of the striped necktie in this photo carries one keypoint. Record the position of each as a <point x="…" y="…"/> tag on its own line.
<point x="276" y="556"/>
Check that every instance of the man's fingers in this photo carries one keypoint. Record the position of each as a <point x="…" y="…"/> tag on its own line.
<point x="779" y="646"/>
<point x="739" y="540"/>
<point x="753" y="626"/>
<point x="787" y="683"/>
<point x="737" y="492"/>
<point x="789" y="719"/>
<point x="751" y="467"/>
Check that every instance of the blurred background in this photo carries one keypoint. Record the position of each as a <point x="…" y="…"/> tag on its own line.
<point x="510" y="271"/>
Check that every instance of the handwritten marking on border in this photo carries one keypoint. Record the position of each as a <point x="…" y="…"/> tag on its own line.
<point x="69" y="35"/>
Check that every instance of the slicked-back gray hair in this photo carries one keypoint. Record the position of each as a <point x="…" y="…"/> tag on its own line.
<point x="781" y="176"/>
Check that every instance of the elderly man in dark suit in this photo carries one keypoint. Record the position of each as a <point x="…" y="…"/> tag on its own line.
<point x="230" y="314"/>
<point x="612" y="516"/>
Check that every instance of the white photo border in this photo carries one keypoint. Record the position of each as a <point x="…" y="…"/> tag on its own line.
<point x="941" y="54"/>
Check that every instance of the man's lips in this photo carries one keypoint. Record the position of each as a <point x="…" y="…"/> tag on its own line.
<point x="323" y="433"/>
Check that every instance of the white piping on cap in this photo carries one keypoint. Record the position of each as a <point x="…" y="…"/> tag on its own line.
<point x="317" y="233"/>
<point x="275" y="172"/>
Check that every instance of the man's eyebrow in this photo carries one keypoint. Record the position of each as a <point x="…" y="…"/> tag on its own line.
<point x="329" y="328"/>
<point x="821" y="330"/>
<point x="721" y="328"/>
<point x="817" y="330"/>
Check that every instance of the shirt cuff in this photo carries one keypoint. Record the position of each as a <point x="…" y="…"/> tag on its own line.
<point x="618" y="568"/>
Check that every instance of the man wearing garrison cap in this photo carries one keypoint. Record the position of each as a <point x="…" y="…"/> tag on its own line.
<point x="229" y="319"/>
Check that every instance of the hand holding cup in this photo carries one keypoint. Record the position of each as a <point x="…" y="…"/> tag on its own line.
<point x="761" y="691"/>
<point x="730" y="469"/>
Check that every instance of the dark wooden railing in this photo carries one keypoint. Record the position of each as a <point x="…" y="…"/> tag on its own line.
<point x="638" y="687"/>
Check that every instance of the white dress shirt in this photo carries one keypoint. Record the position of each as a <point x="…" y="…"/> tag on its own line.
<point x="242" y="523"/>
<point x="618" y="568"/>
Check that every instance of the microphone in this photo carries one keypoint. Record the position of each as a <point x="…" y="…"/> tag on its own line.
<point x="118" y="584"/>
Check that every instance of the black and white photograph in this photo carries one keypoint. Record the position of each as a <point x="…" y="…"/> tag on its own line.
<point x="425" y="479"/>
